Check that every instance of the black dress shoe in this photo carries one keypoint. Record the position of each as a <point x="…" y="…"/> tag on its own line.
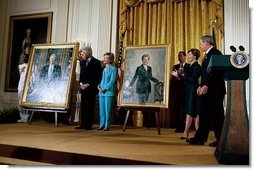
<point x="189" y="140"/>
<point x="106" y="129"/>
<point x="194" y="141"/>
<point x="100" y="128"/>
<point x="79" y="127"/>
<point x="214" y="144"/>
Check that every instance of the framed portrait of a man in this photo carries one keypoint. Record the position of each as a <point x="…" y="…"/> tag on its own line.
<point x="49" y="76"/>
<point x="24" y="30"/>
<point x="145" y="81"/>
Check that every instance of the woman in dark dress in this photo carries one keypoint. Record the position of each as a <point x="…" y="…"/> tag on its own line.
<point x="191" y="76"/>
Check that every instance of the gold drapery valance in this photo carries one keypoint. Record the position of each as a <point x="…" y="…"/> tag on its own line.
<point x="132" y="3"/>
<point x="179" y="23"/>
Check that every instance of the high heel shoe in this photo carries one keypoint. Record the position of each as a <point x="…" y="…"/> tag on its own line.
<point x="182" y="137"/>
<point x="100" y="128"/>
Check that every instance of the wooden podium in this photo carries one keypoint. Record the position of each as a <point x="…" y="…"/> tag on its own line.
<point x="233" y="147"/>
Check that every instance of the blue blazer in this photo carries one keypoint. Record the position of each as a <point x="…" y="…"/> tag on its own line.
<point x="108" y="81"/>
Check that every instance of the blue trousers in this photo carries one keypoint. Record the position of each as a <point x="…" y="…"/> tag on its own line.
<point x="106" y="104"/>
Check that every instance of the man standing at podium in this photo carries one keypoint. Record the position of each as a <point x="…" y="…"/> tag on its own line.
<point x="212" y="91"/>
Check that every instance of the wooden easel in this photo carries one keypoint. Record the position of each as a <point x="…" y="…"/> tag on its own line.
<point x="155" y="110"/>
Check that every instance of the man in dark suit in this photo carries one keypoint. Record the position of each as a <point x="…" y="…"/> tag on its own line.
<point x="212" y="91"/>
<point x="177" y="92"/>
<point x="51" y="71"/>
<point x="90" y="77"/>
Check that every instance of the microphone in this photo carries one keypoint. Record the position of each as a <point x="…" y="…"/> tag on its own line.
<point x="241" y="48"/>
<point x="232" y="48"/>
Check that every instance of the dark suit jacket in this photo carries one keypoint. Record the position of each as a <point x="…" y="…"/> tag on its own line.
<point x="91" y="74"/>
<point x="214" y="81"/>
<point x="177" y="84"/>
<point x="144" y="76"/>
<point x="55" y="75"/>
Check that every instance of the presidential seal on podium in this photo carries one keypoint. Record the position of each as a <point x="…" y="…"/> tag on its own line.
<point x="239" y="59"/>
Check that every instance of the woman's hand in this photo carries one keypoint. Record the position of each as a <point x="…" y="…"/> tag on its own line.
<point x="174" y="73"/>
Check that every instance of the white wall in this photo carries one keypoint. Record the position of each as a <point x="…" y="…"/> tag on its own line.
<point x="90" y="21"/>
<point x="237" y="29"/>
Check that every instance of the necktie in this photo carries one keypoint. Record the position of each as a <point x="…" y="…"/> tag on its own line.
<point x="181" y="65"/>
<point x="87" y="61"/>
<point x="50" y="72"/>
<point x="204" y="57"/>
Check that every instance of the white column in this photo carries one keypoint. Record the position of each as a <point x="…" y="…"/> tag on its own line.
<point x="94" y="22"/>
<point x="237" y="32"/>
<point x="79" y="20"/>
<point x="104" y="29"/>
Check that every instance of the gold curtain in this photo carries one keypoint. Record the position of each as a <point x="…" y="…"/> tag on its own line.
<point x="180" y="23"/>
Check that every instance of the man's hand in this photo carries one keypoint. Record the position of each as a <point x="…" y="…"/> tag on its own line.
<point x="180" y="71"/>
<point x="204" y="90"/>
<point x="84" y="86"/>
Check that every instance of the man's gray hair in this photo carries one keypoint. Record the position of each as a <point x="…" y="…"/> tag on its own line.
<point x="209" y="39"/>
<point x="87" y="49"/>
<point x="53" y="56"/>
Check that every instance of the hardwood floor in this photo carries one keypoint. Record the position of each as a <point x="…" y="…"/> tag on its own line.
<point x="42" y="142"/>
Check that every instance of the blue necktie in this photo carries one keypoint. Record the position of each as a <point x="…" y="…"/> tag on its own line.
<point x="87" y="61"/>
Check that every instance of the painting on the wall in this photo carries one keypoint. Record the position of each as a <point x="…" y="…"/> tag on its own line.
<point x="145" y="80"/>
<point x="24" y="30"/>
<point x="49" y="76"/>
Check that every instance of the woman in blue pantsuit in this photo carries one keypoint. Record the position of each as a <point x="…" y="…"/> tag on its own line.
<point x="107" y="91"/>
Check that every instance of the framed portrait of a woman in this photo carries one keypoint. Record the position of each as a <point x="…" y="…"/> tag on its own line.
<point x="145" y="79"/>
<point x="49" y="76"/>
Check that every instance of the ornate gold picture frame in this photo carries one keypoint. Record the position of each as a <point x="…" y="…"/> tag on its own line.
<point x="154" y="81"/>
<point x="49" y="87"/>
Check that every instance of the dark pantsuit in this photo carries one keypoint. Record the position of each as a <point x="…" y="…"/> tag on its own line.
<point x="90" y="74"/>
<point x="87" y="109"/>
<point x="217" y="111"/>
